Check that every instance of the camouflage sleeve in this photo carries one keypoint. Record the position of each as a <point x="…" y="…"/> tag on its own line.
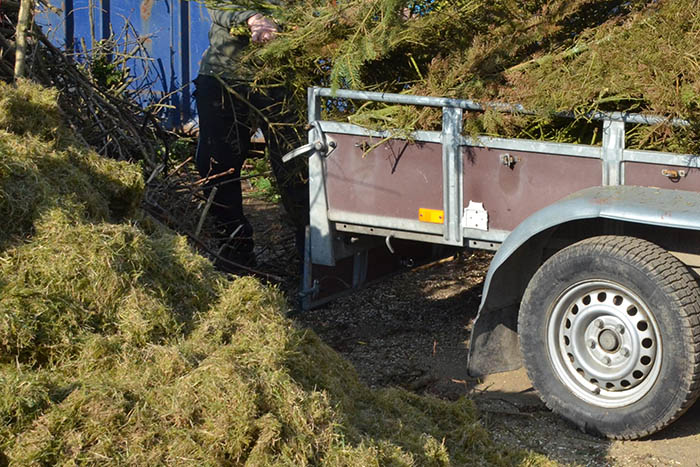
<point x="232" y="16"/>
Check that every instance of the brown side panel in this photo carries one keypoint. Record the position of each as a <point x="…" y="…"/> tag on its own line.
<point x="393" y="179"/>
<point x="640" y="174"/>
<point x="535" y="181"/>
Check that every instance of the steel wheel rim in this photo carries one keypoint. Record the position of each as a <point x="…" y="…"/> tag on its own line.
<point x="604" y="343"/>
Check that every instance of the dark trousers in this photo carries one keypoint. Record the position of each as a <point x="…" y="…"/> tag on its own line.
<point x="227" y="118"/>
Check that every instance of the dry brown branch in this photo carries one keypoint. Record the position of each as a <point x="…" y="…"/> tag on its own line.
<point x="214" y="177"/>
<point x="180" y="166"/>
<point x="158" y="170"/>
<point x="205" y="211"/>
<point x="116" y="127"/>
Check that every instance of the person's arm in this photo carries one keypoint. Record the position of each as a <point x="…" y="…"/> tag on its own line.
<point x="232" y="16"/>
<point x="262" y="28"/>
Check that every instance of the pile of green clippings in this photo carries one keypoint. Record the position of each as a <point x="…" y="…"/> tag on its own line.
<point x="120" y="345"/>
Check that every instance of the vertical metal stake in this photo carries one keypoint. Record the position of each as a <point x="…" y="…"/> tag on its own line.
<point x="452" y="176"/>
<point x="359" y="268"/>
<point x="613" y="149"/>
<point x="306" y="278"/>
<point x="321" y="232"/>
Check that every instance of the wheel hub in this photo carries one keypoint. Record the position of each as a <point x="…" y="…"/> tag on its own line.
<point x="609" y="340"/>
<point x="604" y="343"/>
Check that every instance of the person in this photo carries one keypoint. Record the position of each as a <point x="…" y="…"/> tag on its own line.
<point x="229" y="109"/>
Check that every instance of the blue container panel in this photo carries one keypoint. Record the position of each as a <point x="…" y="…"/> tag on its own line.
<point x="200" y="21"/>
<point x="174" y="34"/>
<point x="53" y="24"/>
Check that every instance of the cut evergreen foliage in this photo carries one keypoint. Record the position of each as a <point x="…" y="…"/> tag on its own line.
<point x="119" y="345"/>
<point x="551" y="56"/>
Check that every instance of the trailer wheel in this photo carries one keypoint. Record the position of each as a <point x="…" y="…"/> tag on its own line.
<point x="610" y="335"/>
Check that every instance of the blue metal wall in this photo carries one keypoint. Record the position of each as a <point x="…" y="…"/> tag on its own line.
<point x="174" y="34"/>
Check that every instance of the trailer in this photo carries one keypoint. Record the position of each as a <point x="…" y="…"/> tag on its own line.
<point x="593" y="285"/>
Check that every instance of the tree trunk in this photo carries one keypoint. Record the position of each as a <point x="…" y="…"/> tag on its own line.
<point x="24" y="22"/>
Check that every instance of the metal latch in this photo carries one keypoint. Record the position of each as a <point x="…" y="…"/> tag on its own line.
<point x="674" y="175"/>
<point x="316" y="146"/>
<point x="324" y="146"/>
<point x="509" y="160"/>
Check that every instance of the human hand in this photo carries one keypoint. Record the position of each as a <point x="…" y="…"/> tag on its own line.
<point x="262" y="29"/>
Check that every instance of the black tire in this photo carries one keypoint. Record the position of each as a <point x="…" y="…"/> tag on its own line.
<point x="610" y="336"/>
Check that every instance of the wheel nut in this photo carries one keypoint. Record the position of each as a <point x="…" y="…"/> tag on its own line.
<point x="625" y="352"/>
<point x="591" y="344"/>
<point x="620" y="329"/>
<point x="599" y="323"/>
<point x="606" y="360"/>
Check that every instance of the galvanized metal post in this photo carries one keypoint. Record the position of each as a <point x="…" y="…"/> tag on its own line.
<point x="307" y="285"/>
<point x="452" y="175"/>
<point x="360" y="261"/>
<point x="321" y="232"/>
<point x="70" y="26"/>
<point x="185" y="58"/>
<point x="613" y="148"/>
<point x="106" y="20"/>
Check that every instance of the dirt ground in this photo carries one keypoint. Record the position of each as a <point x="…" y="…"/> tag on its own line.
<point x="411" y="330"/>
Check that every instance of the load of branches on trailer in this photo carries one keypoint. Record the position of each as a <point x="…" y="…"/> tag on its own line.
<point x="576" y="56"/>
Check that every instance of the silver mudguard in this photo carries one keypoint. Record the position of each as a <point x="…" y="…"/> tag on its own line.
<point x="494" y="341"/>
